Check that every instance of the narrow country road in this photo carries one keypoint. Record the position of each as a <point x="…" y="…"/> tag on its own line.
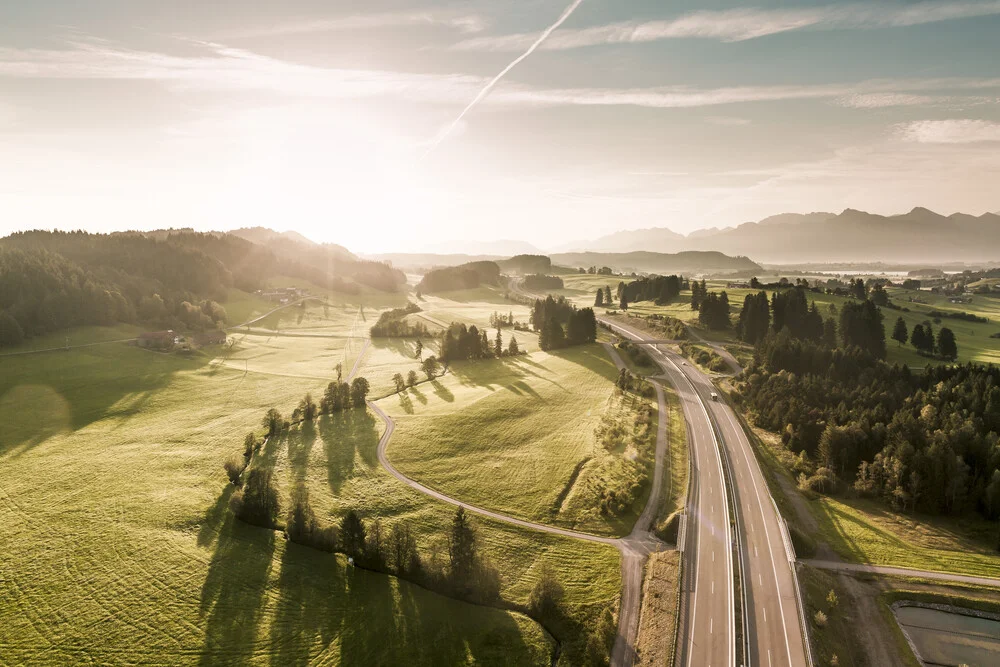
<point x="634" y="548"/>
<point x="903" y="572"/>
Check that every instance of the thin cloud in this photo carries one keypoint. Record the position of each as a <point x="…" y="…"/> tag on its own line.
<point x="465" y="23"/>
<point x="224" y="68"/>
<point x="961" y="131"/>
<point x="735" y="25"/>
<point x="884" y="100"/>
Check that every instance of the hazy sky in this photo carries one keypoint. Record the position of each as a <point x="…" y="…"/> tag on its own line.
<point x="339" y="118"/>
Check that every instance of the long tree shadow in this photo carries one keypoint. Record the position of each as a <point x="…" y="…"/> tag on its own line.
<point x="233" y="593"/>
<point x="442" y="392"/>
<point x="310" y="609"/>
<point x="300" y="444"/>
<point x="338" y="448"/>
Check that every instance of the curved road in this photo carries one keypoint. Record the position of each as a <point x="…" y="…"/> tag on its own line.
<point x="634" y="548"/>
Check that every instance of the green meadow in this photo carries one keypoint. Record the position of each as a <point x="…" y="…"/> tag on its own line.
<point x="515" y="435"/>
<point x="120" y="548"/>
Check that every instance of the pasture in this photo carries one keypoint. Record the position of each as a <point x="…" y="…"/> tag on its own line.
<point x="114" y="505"/>
<point x="514" y="435"/>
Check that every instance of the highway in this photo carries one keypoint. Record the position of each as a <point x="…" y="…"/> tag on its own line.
<point x="775" y="620"/>
<point x="707" y="634"/>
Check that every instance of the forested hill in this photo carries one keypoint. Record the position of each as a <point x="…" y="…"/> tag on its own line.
<point x="53" y="280"/>
<point x="461" y="277"/>
<point x="662" y="263"/>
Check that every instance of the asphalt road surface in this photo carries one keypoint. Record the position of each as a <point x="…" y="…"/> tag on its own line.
<point x="775" y="621"/>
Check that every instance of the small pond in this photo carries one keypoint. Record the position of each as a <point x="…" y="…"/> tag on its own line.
<point x="948" y="638"/>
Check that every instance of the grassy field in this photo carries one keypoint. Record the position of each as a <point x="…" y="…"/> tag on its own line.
<point x="314" y="357"/>
<point x="508" y="435"/>
<point x="119" y="547"/>
<point x="336" y="460"/>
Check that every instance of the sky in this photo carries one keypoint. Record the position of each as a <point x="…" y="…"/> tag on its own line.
<point x="387" y="125"/>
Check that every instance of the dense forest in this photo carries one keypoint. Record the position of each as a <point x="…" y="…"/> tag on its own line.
<point x="465" y="276"/>
<point x="53" y="280"/>
<point x="918" y="441"/>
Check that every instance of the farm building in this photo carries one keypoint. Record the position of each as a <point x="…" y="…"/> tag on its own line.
<point x="157" y="340"/>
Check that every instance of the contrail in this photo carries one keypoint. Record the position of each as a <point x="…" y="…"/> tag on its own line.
<point x="493" y="82"/>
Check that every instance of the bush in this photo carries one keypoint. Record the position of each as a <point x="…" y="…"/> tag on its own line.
<point x="820" y="619"/>
<point x="547" y="595"/>
<point x="250" y="445"/>
<point x="667" y="529"/>
<point x="234" y="467"/>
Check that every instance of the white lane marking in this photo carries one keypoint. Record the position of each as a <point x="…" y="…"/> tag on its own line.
<point x="768" y="657"/>
<point x="755" y="551"/>
<point x="713" y="587"/>
<point x="744" y="446"/>
<point x="760" y="579"/>
<point x="711" y="625"/>
<point x="713" y="556"/>
<point x="764" y="609"/>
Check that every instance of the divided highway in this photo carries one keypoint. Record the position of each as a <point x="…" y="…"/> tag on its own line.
<point x="775" y="620"/>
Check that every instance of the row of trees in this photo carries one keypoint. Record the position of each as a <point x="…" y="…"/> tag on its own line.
<point x="924" y="442"/>
<point x="922" y="338"/>
<point x="461" y="343"/>
<point x="603" y="297"/>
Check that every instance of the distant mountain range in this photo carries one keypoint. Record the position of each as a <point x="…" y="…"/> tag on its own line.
<point x="852" y="236"/>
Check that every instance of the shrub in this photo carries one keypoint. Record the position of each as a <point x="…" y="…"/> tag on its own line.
<point x="831" y="598"/>
<point x="820" y="619"/>
<point x="249" y="446"/>
<point x="234" y="467"/>
<point x="547" y="595"/>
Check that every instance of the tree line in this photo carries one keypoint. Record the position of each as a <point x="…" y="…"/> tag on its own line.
<point x="462" y="343"/>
